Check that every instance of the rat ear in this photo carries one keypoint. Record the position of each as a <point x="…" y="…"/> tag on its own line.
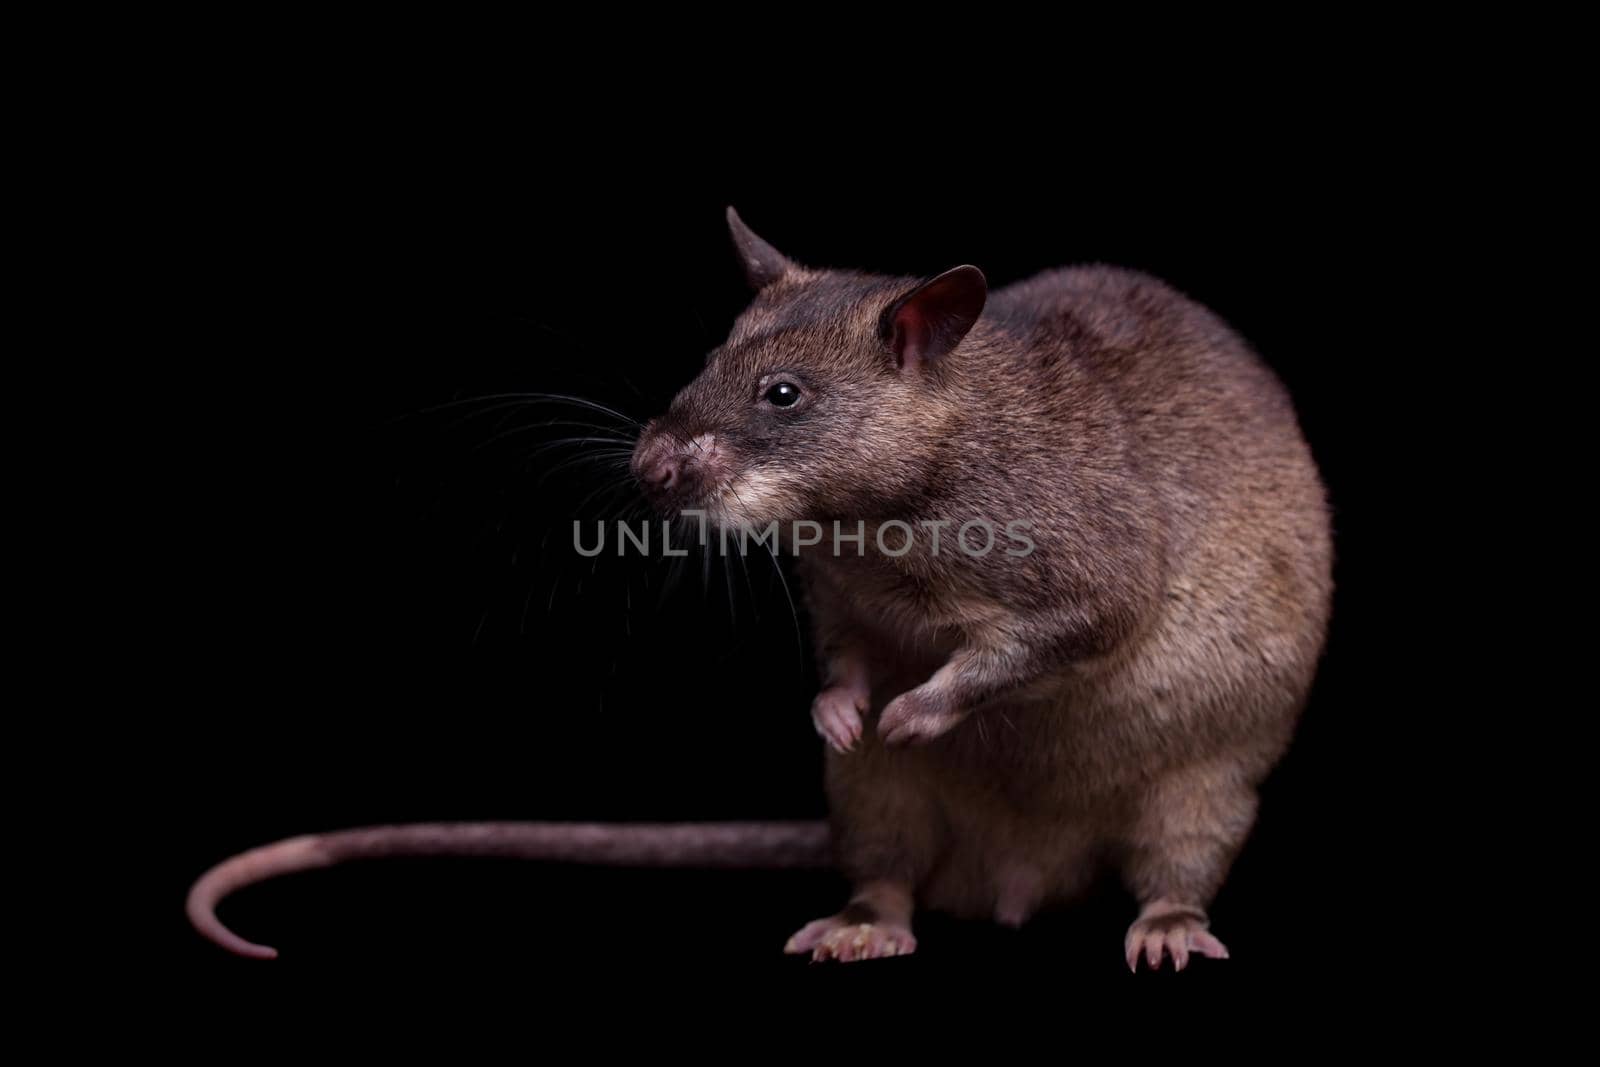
<point x="763" y="264"/>
<point x="929" y="321"/>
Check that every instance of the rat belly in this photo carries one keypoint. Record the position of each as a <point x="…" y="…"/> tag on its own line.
<point x="1023" y="802"/>
<point x="970" y="841"/>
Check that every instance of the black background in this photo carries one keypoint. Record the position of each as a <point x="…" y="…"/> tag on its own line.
<point x="380" y="617"/>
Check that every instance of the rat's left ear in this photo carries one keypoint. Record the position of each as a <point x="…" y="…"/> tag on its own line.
<point x="763" y="264"/>
<point x="929" y="321"/>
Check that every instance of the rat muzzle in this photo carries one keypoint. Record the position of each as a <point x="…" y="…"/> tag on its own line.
<point x="677" y="471"/>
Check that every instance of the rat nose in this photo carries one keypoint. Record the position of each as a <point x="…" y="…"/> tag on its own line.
<point x="659" y="464"/>
<point x="674" y="469"/>
<point x="662" y="472"/>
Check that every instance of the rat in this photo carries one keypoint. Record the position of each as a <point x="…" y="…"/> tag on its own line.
<point x="1103" y="685"/>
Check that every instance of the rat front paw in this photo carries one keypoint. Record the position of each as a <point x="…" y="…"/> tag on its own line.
<point x="836" y="713"/>
<point x="916" y="717"/>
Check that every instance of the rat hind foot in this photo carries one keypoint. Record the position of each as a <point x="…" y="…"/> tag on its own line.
<point x="846" y="939"/>
<point x="1173" y="932"/>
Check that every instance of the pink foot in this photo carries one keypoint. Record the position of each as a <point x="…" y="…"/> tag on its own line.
<point x="836" y="938"/>
<point x="836" y="714"/>
<point x="1175" y="934"/>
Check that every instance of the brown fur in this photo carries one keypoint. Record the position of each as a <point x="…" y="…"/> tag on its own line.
<point x="1117" y="695"/>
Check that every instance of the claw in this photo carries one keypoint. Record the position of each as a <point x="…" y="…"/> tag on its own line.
<point x="1174" y="936"/>
<point x="1206" y="945"/>
<point x="836" y="715"/>
<point x="847" y="941"/>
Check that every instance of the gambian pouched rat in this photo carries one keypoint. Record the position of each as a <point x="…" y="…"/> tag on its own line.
<point x="1000" y="723"/>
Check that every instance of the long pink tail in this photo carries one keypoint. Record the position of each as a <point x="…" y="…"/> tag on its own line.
<point x="737" y="844"/>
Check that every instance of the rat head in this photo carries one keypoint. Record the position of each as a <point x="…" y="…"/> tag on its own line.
<point x="830" y="398"/>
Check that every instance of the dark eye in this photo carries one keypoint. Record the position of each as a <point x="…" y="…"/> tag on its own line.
<point x="783" y="394"/>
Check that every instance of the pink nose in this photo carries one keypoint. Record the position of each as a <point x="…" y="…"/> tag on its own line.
<point x="662" y="472"/>
<point x="660" y="465"/>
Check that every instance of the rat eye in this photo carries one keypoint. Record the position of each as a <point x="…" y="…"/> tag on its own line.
<point x="783" y="394"/>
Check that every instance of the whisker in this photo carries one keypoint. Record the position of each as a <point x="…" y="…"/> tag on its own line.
<point x="592" y="405"/>
<point x="750" y="590"/>
<point x="705" y="567"/>
<point x="533" y="584"/>
<point x="727" y="581"/>
<point x="562" y="441"/>
<point x="621" y="483"/>
<point x="564" y="464"/>
<point x="755" y="609"/>
<point x="799" y="642"/>
<point x="527" y="400"/>
<point x="515" y="408"/>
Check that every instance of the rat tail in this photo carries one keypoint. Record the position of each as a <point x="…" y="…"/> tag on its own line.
<point x="738" y="844"/>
